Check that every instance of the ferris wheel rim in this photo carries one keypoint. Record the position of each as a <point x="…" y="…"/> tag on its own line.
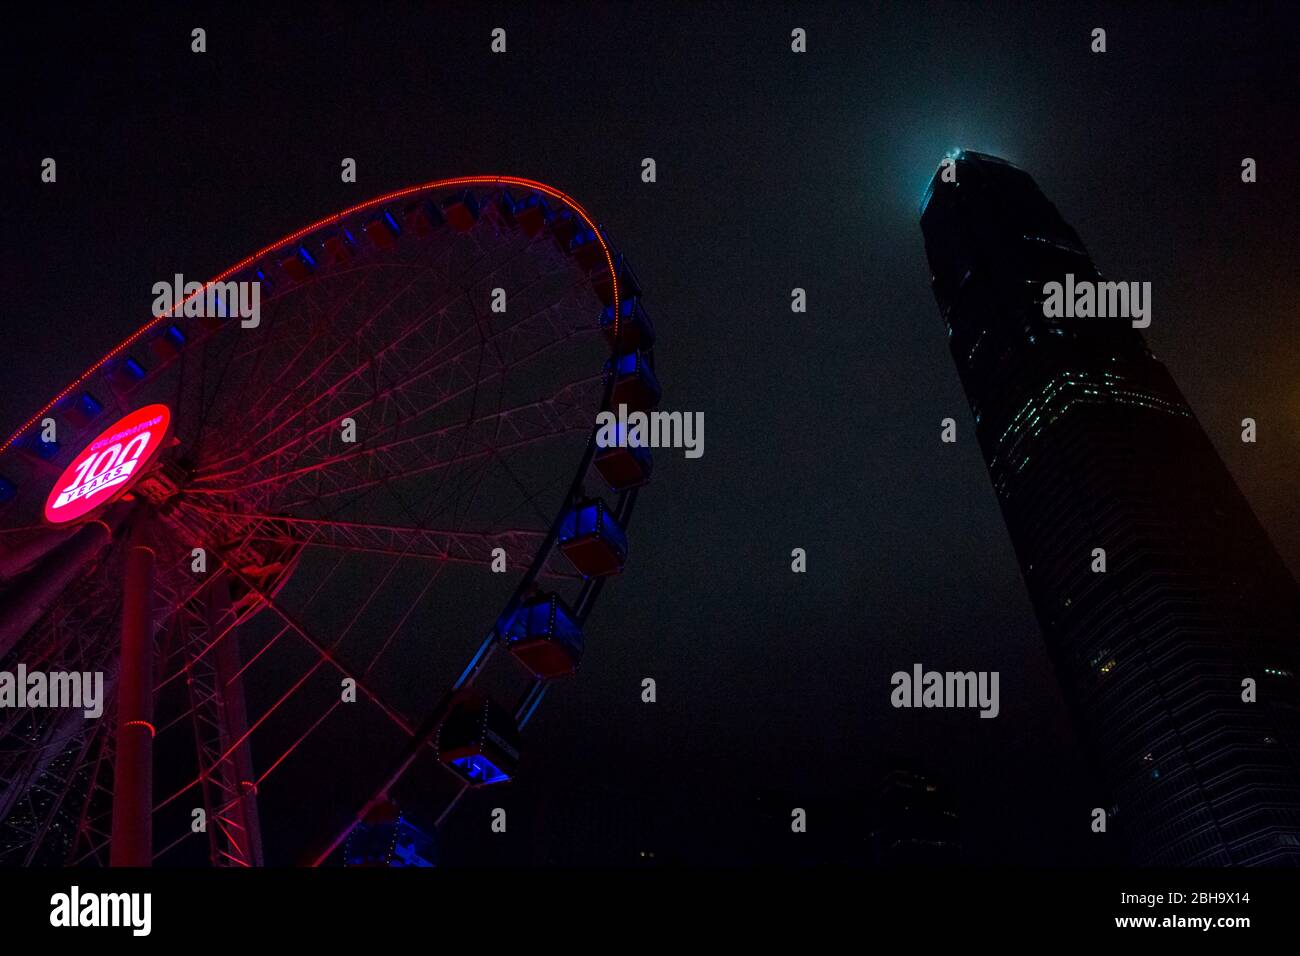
<point x="431" y="186"/>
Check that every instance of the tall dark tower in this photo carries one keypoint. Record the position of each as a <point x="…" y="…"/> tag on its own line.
<point x="1091" y="445"/>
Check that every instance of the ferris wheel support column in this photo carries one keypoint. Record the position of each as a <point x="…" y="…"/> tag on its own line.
<point x="132" y="837"/>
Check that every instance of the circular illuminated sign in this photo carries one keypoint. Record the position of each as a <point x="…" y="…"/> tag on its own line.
<point x="109" y="465"/>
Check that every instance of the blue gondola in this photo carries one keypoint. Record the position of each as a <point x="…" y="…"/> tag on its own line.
<point x="529" y="214"/>
<point x="262" y="276"/>
<point x="478" y="739"/>
<point x="126" y="373"/>
<point x="635" y="385"/>
<point x="383" y="232"/>
<point x="564" y="227"/>
<point x="82" y="410"/>
<point x="386" y="838"/>
<point x="586" y="250"/>
<point x="624" y="467"/>
<point x="635" y="330"/>
<point x="340" y="249"/>
<point x="461" y="211"/>
<point x="423" y="217"/>
<point x="34" y="444"/>
<point x="168" y="343"/>
<point x="592" y="540"/>
<point x="628" y="287"/>
<point x="545" y="638"/>
<point x="299" y="266"/>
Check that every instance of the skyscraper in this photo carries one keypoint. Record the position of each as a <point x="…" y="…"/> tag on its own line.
<point x="1095" y="455"/>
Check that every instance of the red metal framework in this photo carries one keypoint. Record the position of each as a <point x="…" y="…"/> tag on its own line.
<point x="266" y="568"/>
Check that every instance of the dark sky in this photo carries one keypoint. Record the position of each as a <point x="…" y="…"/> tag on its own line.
<point x="775" y="170"/>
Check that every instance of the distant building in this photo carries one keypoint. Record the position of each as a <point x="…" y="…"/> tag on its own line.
<point x="914" y="823"/>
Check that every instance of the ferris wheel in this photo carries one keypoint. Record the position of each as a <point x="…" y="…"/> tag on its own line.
<point x="328" y="555"/>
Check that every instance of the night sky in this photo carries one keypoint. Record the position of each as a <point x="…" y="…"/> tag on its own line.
<point x="775" y="170"/>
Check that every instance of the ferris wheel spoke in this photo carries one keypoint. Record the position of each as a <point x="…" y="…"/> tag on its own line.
<point x="198" y="780"/>
<point x="405" y="365"/>
<point x="329" y="486"/>
<point x="326" y="654"/>
<point x="226" y="631"/>
<point x="304" y="309"/>
<point x="325" y="657"/>
<point x="296" y="744"/>
<point x="457" y="382"/>
<point x="412" y="383"/>
<point x="397" y="629"/>
<point x="414" y="454"/>
<point x="425" y="348"/>
<point x="232" y="801"/>
<point x="464" y="547"/>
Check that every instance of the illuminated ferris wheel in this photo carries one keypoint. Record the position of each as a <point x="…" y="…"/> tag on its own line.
<point x="329" y="556"/>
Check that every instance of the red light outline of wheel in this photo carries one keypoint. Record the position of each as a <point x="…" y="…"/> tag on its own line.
<point x="298" y="234"/>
